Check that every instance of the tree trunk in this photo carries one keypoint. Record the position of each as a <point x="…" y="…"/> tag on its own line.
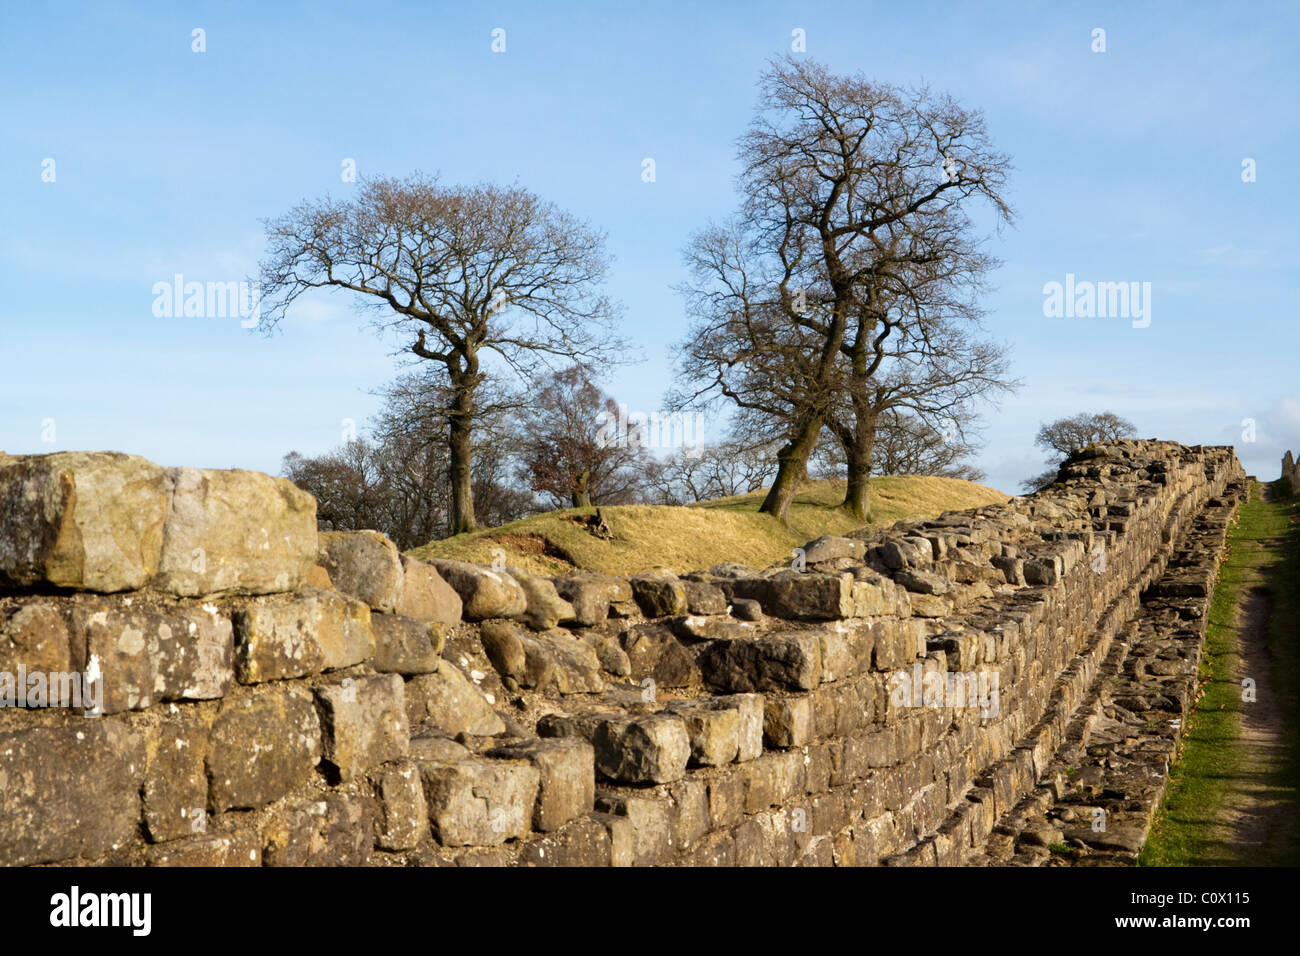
<point x="858" y="449"/>
<point x="459" y="447"/>
<point x="792" y="465"/>
<point x="581" y="495"/>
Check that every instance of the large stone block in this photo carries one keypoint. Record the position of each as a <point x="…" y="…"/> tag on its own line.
<point x="783" y="661"/>
<point x="331" y="829"/>
<point x="551" y="662"/>
<point x="363" y="723"/>
<point x="800" y="595"/>
<point x="34" y="637"/>
<point x="480" y="801"/>
<point x="484" y="592"/>
<point x="146" y="655"/>
<point x="299" y="635"/>
<point x="261" y="748"/>
<point x="591" y="594"/>
<point x="69" y="792"/>
<point x="713" y="725"/>
<point x="235" y="531"/>
<point x="659" y="593"/>
<point x="446" y="701"/>
<point x="653" y="749"/>
<point x="365" y="565"/>
<point x="406" y="645"/>
<point x="176" y="783"/>
<point x="86" y="520"/>
<point x="403" y="813"/>
<point x="545" y="608"/>
<point x="426" y="596"/>
<point x="566" y="775"/>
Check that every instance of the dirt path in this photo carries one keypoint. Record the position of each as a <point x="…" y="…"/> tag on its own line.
<point x="1258" y="813"/>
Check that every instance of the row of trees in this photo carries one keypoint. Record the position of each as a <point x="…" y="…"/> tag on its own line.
<point x="836" y="314"/>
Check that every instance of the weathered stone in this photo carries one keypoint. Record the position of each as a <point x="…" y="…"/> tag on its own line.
<point x="176" y="784"/>
<point x="484" y="593"/>
<point x="403" y="813"/>
<point x="447" y="701"/>
<point x="552" y="662"/>
<point x="240" y="848"/>
<point x="831" y="548"/>
<point x="714" y="628"/>
<point x="34" y="637"/>
<point x="923" y="582"/>
<point x="613" y="658"/>
<point x="845" y="649"/>
<point x="566" y="775"/>
<point x="800" y="595"/>
<point x="659" y="593"/>
<point x="261" y="747"/>
<point x="746" y="609"/>
<point x="930" y="605"/>
<point x="69" y="792"/>
<point x="149" y="655"/>
<point x="749" y="733"/>
<point x="426" y="596"/>
<point x="365" y="565"/>
<point x="545" y="608"/>
<point x="713" y="726"/>
<point x="652" y="749"/>
<point x="333" y="829"/>
<point x="654" y="652"/>
<point x="479" y="801"/>
<point x="299" y="635"/>
<point x="86" y="520"/>
<point x="590" y="595"/>
<point x="1043" y="571"/>
<point x="702" y="598"/>
<point x="363" y="723"/>
<point x="237" y="531"/>
<point x="783" y="661"/>
<point x="640" y="829"/>
<point x="788" y="721"/>
<point x="406" y="645"/>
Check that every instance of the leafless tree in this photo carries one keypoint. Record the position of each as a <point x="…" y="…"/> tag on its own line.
<point x="848" y="184"/>
<point x="570" y="448"/>
<point x="462" y="275"/>
<point x="1069" y="434"/>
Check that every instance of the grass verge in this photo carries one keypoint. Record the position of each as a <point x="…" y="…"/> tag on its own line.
<point x="1192" y="827"/>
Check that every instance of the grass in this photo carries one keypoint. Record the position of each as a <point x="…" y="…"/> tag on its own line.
<point x="688" y="538"/>
<point x="1264" y="553"/>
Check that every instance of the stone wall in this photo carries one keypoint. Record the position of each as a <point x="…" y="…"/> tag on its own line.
<point x="262" y="694"/>
<point x="1291" y="472"/>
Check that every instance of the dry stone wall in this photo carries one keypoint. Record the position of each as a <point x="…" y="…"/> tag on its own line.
<point x="235" y="689"/>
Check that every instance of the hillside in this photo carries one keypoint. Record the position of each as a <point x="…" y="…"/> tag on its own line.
<point x="697" y="536"/>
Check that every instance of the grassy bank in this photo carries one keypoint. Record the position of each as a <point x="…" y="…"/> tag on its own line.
<point x="698" y="536"/>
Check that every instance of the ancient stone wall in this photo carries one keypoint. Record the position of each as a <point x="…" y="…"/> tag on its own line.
<point x="1291" y="471"/>
<point x="262" y="694"/>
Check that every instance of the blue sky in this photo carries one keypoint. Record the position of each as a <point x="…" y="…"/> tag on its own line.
<point x="1128" y="168"/>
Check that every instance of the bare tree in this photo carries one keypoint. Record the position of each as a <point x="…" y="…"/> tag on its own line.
<point x="708" y="472"/>
<point x="568" y="446"/>
<point x="1069" y="434"/>
<point x="461" y="275"/>
<point x="840" y="174"/>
